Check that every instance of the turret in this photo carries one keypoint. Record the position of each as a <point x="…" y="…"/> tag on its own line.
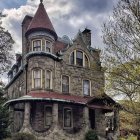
<point x="40" y="32"/>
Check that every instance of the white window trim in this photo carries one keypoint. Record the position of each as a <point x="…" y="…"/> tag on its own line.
<point x="50" y="79"/>
<point x="71" y="118"/>
<point x="33" y="43"/>
<point x="45" y="115"/>
<point x="61" y="82"/>
<point x="83" y="87"/>
<point x="50" y="47"/>
<point x="84" y="54"/>
<point x="33" y="78"/>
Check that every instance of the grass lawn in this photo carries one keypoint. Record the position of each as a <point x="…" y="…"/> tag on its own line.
<point x="132" y="138"/>
<point x="129" y="138"/>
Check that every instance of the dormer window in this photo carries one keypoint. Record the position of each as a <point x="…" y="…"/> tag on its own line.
<point x="79" y="58"/>
<point x="37" y="45"/>
<point x="48" y="46"/>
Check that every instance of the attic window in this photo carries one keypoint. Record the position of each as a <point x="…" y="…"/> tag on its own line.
<point x="36" y="45"/>
<point x="79" y="58"/>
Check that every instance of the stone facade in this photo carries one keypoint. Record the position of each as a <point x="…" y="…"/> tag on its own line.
<point x="46" y="110"/>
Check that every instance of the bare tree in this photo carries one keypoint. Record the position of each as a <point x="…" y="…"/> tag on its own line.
<point x="6" y="43"/>
<point x="121" y="56"/>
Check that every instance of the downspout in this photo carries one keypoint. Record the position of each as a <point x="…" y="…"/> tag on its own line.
<point x="26" y="68"/>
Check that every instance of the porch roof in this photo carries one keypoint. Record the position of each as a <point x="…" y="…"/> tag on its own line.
<point x="91" y="102"/>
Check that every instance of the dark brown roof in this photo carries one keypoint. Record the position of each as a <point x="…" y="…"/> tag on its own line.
<point x="58" y="45"/>
<point x="41" y="21"/>
<point x="60" y="96"/>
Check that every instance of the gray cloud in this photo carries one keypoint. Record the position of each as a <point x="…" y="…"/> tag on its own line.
<point x="67" y="17"/>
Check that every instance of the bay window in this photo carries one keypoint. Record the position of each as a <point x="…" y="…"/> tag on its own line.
<point x="48" y="79"/>
<point x="48" y="46"/>
<point x="36" y="78"/>
<point x="37" y="45"/>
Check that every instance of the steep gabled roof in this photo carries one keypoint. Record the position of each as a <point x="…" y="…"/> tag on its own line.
<point x="41" y="21"/>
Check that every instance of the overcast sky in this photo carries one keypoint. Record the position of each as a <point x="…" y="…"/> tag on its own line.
<point x="67" y="16"/>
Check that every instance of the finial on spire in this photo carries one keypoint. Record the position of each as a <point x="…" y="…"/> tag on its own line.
<point x="41" y="1"/>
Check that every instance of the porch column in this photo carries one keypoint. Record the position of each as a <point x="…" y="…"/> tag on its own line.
<point x="86" y="118"/>
<point x="55" y="114"/>
<point x="26" y="124"/>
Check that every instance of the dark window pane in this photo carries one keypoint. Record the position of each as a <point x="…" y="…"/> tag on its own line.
<point x="72" y="59"/>
<point x="37" y="45"/>
<point x="67" y="117"/>
<point x="48" y="116"/>
<point x="79" y="58"/>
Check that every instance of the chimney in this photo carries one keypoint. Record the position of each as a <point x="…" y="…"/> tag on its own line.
<point x="87" y="36"/>
<point x="25" y="24"/>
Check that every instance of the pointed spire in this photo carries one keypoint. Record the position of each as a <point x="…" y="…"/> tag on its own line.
<point x="41" y="22"/>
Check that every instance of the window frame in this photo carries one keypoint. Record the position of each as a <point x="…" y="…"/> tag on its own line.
<point x="33" y="82"/>
<point x="75" y="58"/>
<point x="33" y="44"/>
<point x="62" y="84"/>
<point x="89" y="87"/>
<point x="70" y="108"/>
<point x="50" y="79"/>
<point x="48" y="47"/>
<point x="47" y="126"/>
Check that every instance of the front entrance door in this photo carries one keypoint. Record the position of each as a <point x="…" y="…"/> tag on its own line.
<point x="92" y="118"/>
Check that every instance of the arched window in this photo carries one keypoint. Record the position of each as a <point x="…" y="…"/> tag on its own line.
<point x="36" y="78"/>
<point x="79" y="58"/>
<point x="48" y="79"/>
<point x="65" y="84"/>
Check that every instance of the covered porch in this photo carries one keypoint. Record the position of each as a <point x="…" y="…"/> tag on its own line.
<point x="45" y="114"/>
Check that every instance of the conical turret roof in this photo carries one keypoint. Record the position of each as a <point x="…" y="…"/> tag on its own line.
<point x="41" y="22"/>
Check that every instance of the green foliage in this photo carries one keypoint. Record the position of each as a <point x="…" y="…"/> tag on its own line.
<point x="4" y="116"/>
<point x="121" y="35"/>
<point x="23" y="136"/>
<point x="91" y="135"/>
